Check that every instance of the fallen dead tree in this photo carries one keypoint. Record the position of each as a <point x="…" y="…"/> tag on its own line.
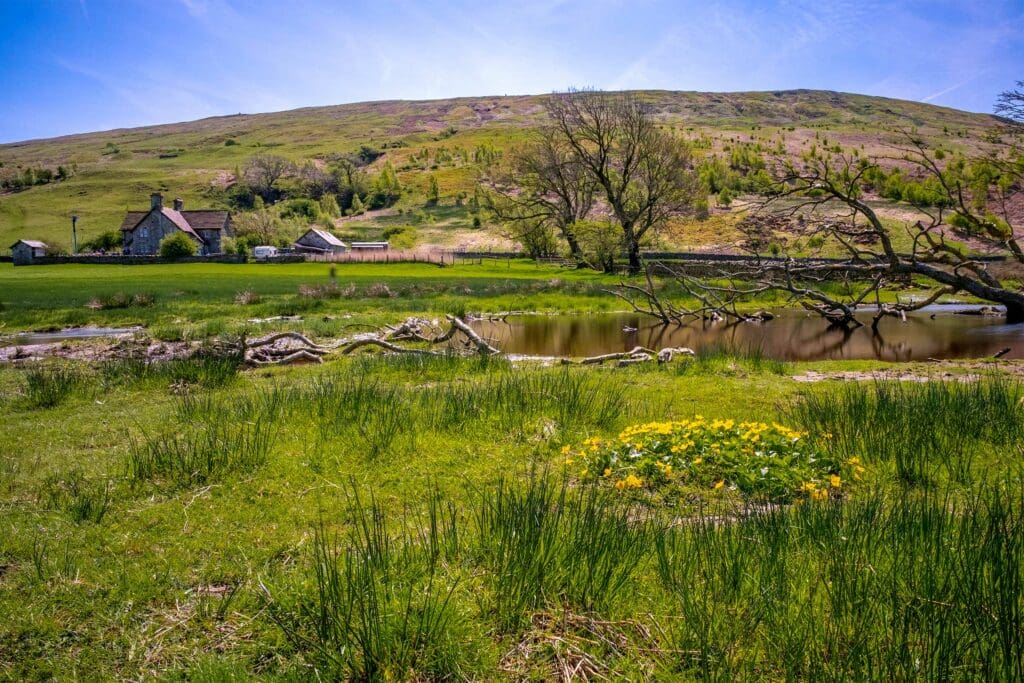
<point x="638" y="354"/>
<point x="413" y="336"/>
<point x="416" y="336"/>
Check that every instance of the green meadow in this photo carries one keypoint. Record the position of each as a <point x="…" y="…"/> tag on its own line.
<point x="404" y="517"/>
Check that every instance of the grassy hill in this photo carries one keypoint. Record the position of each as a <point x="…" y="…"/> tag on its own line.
<point x="114" y="171"/>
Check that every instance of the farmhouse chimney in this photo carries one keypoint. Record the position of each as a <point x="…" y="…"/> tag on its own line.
<point x="156" y="201"/>
<point x="178" y="204"/>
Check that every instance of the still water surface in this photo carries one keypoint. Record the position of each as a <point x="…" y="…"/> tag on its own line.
<point x="794" y="335"/>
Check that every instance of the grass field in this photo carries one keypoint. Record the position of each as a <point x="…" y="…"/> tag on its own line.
<point x="414" y="518"/>
<point x="394" y="518"/>
<point x="186" y="295"/>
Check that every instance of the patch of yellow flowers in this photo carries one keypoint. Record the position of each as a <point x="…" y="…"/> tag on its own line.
<point x="749" y="457"/>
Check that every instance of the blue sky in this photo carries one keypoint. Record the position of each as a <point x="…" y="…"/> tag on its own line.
<point x="81" y="65"/>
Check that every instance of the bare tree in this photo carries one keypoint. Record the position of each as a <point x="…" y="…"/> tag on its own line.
<point x="969" y="199"/>
<point x="543" y="187"/>
<point x="644" y="174"/>
<point x="1010" y="104"/>
<point x="262" y="171"/>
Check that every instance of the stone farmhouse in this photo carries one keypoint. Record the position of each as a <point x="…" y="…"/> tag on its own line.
<point x="142" y="231"/>
<point x="316" y="241"/>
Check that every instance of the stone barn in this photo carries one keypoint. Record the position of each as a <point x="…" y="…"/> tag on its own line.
<point x="317" y="241"/>
<point x="142" y="231"/>
<point x="23" y="252"/>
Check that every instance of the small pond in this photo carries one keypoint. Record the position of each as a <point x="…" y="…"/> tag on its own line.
<point x="935" y="332"/>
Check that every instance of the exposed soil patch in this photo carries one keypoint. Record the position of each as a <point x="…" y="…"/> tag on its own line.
<point x="92" y="351"/>
<point x="939" y="371"/>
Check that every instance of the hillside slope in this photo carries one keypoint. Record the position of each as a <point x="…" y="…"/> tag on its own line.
<point x="115" y="171"/>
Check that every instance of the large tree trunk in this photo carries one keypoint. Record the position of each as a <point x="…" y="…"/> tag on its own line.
<point x="635" y="265"/>
<point x="1012" y="299"/>
<point x="574" y="246"/>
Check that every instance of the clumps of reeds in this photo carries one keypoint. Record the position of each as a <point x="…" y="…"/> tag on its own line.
<point x="718" y="360"/>
<point x="376" y="602"/>
<point x="546" y="545"/>
<point x="72" y="492"/>
<point x="381" y="415"/>
<point x="200" y="455"/>
<point x="47" y="386"/>
<point x="247" y="298"/>
<point x="924" y="586"/>
<point x="204" y="370"/>
<point x="121" y="300"/>
<point x="379" y="290"/>
<point x="327" y="291"/>
<point x="919" y="429"/>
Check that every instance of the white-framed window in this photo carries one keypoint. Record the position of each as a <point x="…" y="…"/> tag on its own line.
<point x="144" y="233"/>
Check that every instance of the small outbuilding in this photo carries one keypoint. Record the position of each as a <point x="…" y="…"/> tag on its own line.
<point x="26" y="251"/>
<point x="317" y="241"/>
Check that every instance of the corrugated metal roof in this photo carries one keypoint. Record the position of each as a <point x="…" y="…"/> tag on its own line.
<point x="35" y="244"/>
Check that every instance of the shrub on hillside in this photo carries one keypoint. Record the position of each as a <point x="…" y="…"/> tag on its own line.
<point x="401" y="237"/>
<point x="107" y="241"/>
<point x="178" y="245"/>
<point x="306" y="209"/>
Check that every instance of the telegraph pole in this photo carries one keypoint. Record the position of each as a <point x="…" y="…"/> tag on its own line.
<point x="74" y="234"/>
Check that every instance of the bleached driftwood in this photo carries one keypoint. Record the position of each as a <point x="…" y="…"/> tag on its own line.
<point x="418" y="337"/>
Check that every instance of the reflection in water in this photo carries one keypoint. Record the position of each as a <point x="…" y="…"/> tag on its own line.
<point x="793" y="335"/>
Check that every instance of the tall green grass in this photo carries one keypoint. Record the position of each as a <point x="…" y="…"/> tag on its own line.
<point x="715" y="359"/>
<point x="74" y="493"/>
<point x="202" y="455"/>
<point x="203" y="370"/>
<point x="923" y="587"/>
<point x="545" y="545"/>
<point x="921" y="430"/>
<point x="47" y="386"/>
<point x="378" y="605"/>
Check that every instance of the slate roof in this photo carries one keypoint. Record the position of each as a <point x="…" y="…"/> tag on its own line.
<point x="187" y="221"/>
<point x="179" y="220"/>
<point x="132" y="218"/>
<point x="206" y="219"/>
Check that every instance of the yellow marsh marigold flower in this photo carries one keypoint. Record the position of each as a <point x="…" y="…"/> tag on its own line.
<point x="607" y="471"/>
<point x="836" y="481"/>
<point x="719" y="484"/>
<point x="566" y="450"/>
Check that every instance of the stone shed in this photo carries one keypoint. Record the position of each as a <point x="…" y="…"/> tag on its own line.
<point x="26" y="251"/>
<point x="317" y="241"/>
